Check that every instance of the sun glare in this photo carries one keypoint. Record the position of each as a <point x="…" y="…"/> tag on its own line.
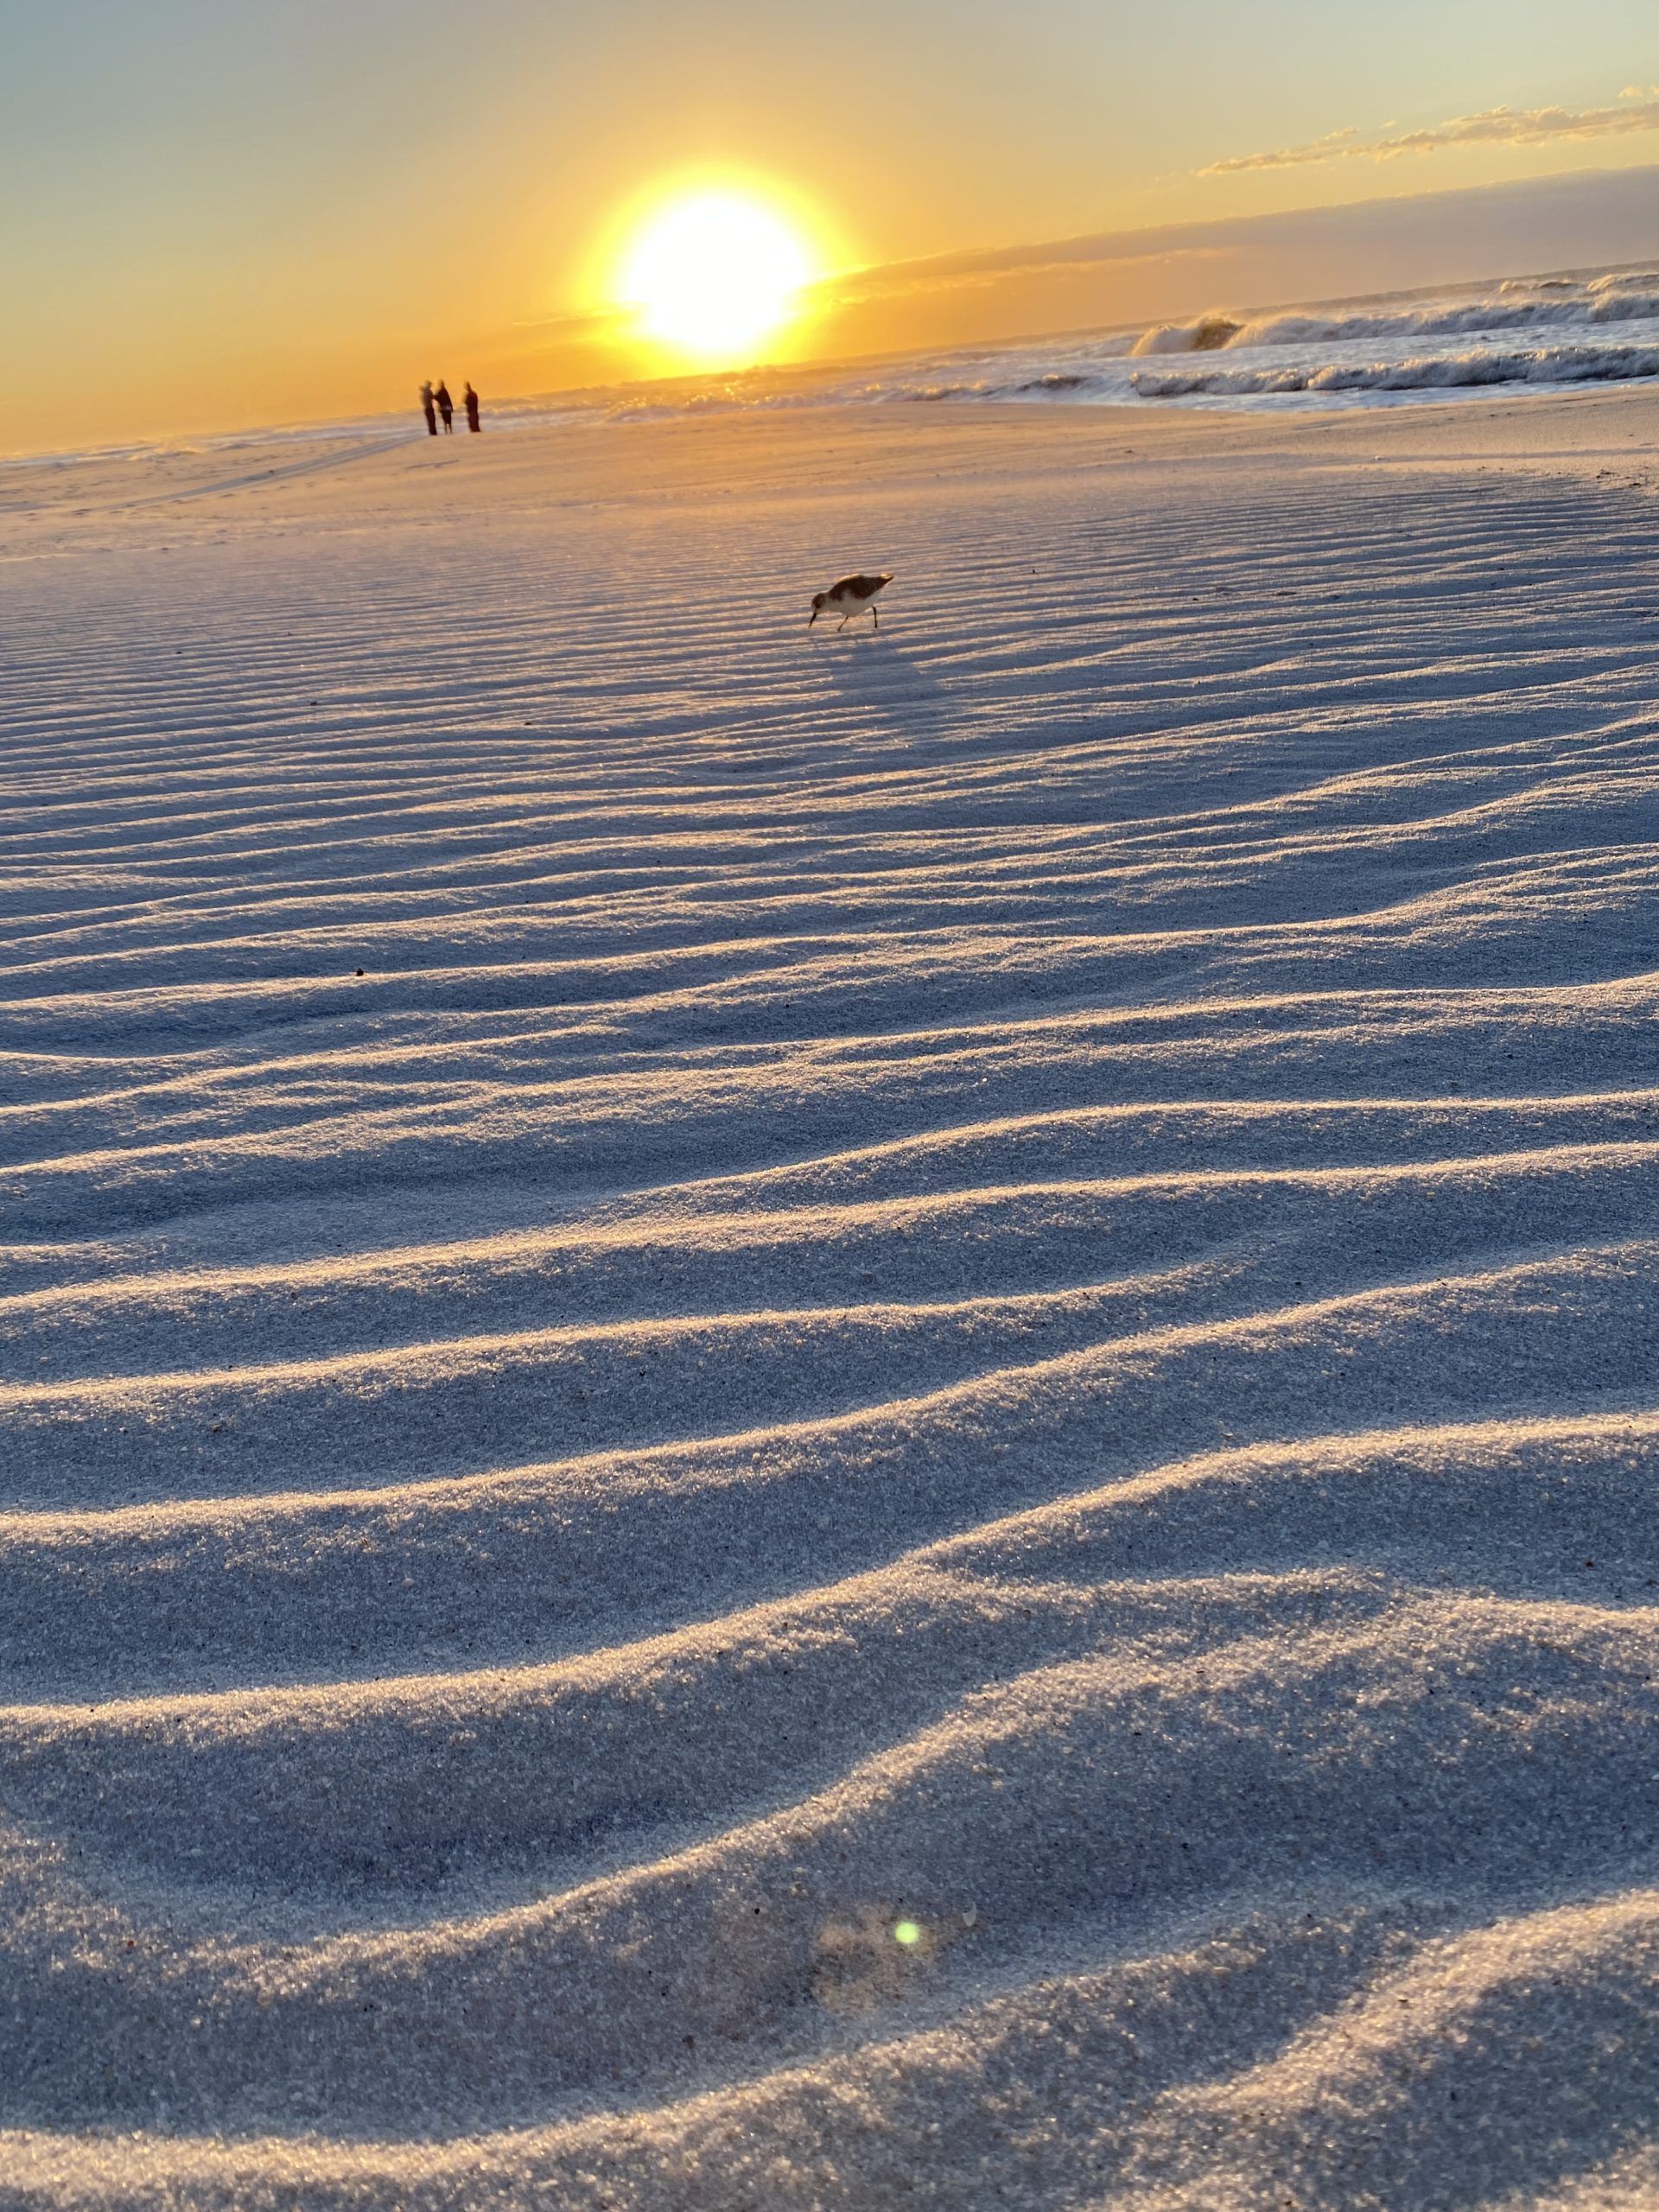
<point x="714" y="275"/>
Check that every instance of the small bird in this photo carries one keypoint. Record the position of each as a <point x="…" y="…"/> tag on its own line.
<point x="850" y="597"/>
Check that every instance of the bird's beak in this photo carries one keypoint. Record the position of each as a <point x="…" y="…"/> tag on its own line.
<point x="812" y="618"/>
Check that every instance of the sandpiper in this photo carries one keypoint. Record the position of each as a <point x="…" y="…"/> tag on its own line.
<point x="850" y="597"/>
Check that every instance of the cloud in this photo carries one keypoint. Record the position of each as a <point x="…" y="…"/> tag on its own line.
<point x="1637" y="109"/>
<point x="982" y="267"/>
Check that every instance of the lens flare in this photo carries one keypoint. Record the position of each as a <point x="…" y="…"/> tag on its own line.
<point x="714" y="275"/>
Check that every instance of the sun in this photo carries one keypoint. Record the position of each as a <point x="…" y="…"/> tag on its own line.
<point x="714" y="274"/>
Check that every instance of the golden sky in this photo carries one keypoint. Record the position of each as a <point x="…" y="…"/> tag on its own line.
<point x="223" y="213"/>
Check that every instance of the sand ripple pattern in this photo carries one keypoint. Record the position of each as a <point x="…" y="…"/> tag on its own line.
<point x="674" y="1295"/>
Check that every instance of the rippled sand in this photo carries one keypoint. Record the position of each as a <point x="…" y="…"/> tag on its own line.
<point x="834" y="1422"/>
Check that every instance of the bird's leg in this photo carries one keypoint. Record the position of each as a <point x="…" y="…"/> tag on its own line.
<point x="876" y="617"/>
<point x="845" y="620"/>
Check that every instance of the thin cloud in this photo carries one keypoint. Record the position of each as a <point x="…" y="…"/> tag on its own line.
<point x="1636" y="109"/>
<point x="979" y="269"/>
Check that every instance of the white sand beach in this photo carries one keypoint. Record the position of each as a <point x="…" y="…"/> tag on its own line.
<point x="806" y="1421"/>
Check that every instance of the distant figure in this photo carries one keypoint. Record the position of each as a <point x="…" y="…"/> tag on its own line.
<point x="469" y="401"/>
<point x="446" y="407"/>
<point x="850" y="597"/>
<point x="428" y="408"/>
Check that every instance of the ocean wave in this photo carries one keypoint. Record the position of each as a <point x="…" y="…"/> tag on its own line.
<point x="1588" y="327"/>
<point x="1488" y="366"/>
<point x="1451" y="319"/>
<point x="1207" y="335"/>
<point x="1535" y="303"/>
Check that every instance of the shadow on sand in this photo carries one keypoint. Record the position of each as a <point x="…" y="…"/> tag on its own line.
<point x="868" y="668"/>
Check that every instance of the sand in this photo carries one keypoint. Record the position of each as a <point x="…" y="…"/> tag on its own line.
<point x="836" y="1421"/>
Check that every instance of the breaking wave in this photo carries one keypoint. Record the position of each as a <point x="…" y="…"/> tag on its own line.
<point x="1517" y="308"/>
<point x="1207" y="335"/>
<point x="1551" y="365"/>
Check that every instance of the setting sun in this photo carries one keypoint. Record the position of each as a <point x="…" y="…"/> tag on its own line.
<point x="715" y="274"/>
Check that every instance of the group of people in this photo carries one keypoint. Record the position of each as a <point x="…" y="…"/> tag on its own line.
<point x="435" y="402"/>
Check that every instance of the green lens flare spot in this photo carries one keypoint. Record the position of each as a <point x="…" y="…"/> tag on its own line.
<point x="907" y="1932"/>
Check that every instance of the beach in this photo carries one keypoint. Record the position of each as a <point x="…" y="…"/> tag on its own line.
<point x="807" y="1420"/>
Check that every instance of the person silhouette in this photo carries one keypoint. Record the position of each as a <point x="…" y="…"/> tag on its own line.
<point x="446" y="406"/>
<point x="428" y="408"/>
<point x="469" y="401"/>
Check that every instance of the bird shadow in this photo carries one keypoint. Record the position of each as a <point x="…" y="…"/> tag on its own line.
<point x="870" y="668"/>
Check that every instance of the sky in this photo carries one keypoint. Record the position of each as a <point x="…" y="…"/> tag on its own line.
<point x="230" y="211"/>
